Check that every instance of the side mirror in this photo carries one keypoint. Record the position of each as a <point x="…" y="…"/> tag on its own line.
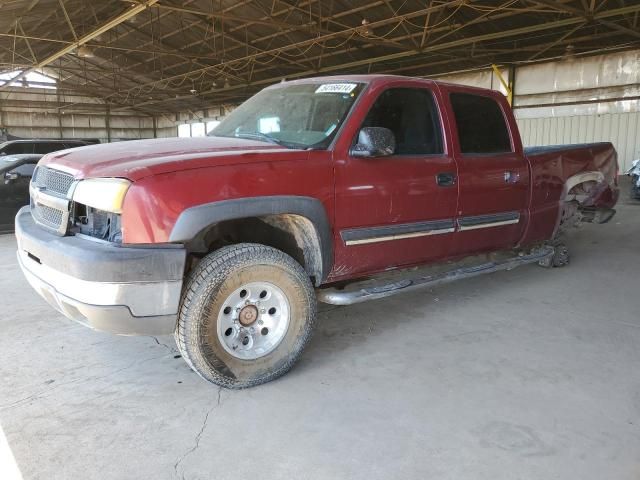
<point x="374" y="142"/>
<point x="10" y="177"/>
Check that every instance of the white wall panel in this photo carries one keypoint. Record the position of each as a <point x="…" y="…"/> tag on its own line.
<point x="621" y="129"/>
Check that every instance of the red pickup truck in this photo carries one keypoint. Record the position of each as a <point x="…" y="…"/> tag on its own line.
<point x="340" y="189"/>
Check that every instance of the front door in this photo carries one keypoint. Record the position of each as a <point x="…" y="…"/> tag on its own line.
<point x="399" y="209"/>
<point x="14" y="194"/>
<point x="493" y="175"/>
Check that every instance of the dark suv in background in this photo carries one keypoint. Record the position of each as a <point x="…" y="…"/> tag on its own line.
<point x="18" y="159"/>
<point x="41" y="146"/>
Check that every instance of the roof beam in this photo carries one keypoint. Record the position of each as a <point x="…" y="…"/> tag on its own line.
<point x="348" y="31"/>
<point x="432" y="48"/>
<point x="443" y="28"/>
<point x="130" y="12"/>
<point x="66" y="16"/>
<point x="589" y="16"/>
<point x="310" y="41"/>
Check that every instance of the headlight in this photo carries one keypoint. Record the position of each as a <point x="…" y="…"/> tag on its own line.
<point x="102" y="193"/>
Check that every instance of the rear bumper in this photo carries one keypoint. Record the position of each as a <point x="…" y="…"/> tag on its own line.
<point x="122" y="290"/>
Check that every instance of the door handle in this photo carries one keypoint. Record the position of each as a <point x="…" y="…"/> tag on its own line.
<point x="446" y="179"/>
<point x="511" y="177"/>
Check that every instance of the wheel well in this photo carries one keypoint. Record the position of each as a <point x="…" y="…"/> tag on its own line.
<point x="579" y="186"/>
<point x="292" y="234"/>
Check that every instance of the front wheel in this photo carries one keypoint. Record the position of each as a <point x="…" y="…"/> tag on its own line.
<point x="560" y="257"/>
<point x="247" y="312"/>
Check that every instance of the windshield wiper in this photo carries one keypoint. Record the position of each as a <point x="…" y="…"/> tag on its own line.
<point x="262" y="137"/>
<point x="257" y="136"/>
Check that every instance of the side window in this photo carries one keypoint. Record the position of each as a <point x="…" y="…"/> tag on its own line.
<point x="481" y="124"/>
<point x="411" y="114"/>
<point x="48" y="147"/>
<point x="18" y="148"/>
<point x="25" y="170"/>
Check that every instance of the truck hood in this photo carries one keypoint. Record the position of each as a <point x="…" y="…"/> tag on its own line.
<point x="141" y="158"/>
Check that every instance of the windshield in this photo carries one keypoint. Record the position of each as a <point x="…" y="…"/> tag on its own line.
<point x="295" y="116"/>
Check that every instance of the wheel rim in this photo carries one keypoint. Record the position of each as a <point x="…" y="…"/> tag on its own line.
<point x="253" y="320"/>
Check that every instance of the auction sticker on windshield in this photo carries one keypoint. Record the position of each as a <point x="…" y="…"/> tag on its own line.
<point x="336" y="88"/>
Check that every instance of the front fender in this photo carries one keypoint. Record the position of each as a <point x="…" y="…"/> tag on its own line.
<point x="192" y="222"/>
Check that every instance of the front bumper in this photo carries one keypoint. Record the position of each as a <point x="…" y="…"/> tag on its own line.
<point x="118" y="289"/>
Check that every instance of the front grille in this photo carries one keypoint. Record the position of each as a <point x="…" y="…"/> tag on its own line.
<point x="54" y="181"/>
<point x="49" y="199"/>
<point x="47" y="216"/>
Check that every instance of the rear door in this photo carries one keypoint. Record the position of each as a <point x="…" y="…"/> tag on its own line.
<point x="391" y="211"/>
<point x="493" y="174"/>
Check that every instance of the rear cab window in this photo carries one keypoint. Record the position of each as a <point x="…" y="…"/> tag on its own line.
<point x="482" y="128"/>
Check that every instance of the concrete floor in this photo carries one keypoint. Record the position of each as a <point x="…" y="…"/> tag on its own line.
<point x="528" y="374"/>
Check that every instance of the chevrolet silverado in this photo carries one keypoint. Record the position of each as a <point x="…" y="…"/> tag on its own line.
<point x="338" y="189"/>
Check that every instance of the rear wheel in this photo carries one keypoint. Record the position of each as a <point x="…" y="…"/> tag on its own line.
<point x="247" y="312"/>
<point x="560" y="256"/>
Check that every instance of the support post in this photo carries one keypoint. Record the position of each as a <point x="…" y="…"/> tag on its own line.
<point x="107" y="123"/>
<point x="59" y="109"/>
<point x="504" y="83"/>
<point x="512" y="84"/>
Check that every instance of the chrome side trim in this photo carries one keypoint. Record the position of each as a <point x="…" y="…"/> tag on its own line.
<point x="399" y="237"/>
<point x="366" y="235"/>
<point x="462" y="228"/>
<point x="488" y="221"/>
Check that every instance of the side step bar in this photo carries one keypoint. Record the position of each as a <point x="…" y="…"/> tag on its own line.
<point x="353" y="294"/>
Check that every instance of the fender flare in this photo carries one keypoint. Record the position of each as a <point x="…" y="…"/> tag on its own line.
<point x="574" y="180"/>
<point x="192" y="221"/>
<point x="592" y="176"/>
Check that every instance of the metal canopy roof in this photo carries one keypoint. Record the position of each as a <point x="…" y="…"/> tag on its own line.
<point x="159" y="56"/>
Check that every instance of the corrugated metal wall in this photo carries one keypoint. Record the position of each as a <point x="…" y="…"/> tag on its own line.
<point x="621" y="129"/>
<point x="94" y="125"/>
<point x="580" y="100"/>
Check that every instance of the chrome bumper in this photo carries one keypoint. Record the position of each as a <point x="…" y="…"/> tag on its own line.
<point x="122" y="290"/>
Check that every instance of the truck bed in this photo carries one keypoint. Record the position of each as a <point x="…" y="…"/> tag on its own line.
<point x="555" y="168"/>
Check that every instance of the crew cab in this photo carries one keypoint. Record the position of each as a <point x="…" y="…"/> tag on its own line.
<point x="338" y="189"/>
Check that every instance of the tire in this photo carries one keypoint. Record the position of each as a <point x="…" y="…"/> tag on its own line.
<point x="560" y="257"/>
<point x="216" y="319"/>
